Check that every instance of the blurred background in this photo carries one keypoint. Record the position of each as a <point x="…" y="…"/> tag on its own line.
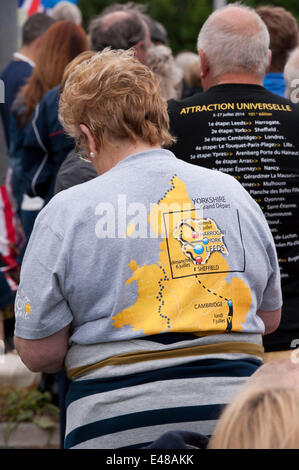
<point x="182" y="18"/>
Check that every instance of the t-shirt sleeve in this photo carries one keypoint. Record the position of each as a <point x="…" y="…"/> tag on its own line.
<point x="41" y="308"/>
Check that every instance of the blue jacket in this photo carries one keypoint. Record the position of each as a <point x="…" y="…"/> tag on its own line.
<point x="16" y="144"/>
<point x="14" y="77"/>
<point x="45" y="147"/>
<point x="275" y="83"/>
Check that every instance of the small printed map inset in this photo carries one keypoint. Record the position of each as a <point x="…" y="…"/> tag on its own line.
<point x="193" y="243"/>
<point x="200" y="238"/>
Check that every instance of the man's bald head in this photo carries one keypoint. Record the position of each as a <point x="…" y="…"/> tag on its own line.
<point x="121" y="29"/>
<point x="114" y="17"/>
<point x="234" y="39"/>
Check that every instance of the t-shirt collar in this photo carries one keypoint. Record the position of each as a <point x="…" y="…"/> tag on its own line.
<point x="18" y="55"/>
<point x="146" y="155"/>
<point x="224" y="87"/>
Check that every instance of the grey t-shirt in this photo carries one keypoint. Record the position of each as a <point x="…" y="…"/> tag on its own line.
<point x="155" y="245"/>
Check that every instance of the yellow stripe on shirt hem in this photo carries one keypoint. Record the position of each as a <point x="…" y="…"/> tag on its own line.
<point x="144" y="356"/>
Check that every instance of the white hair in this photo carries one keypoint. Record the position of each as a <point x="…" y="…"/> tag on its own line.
<point x="232" y="46"/>
<point x="67" y="11"/>
<point x="169" y="75"/>
<point x="291" y="75"/>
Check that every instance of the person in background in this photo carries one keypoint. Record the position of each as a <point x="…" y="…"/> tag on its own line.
<point x="186" y="58"/>
<point x="38" y="144"/>
<point x="121" y="29"/>
<point x="120" y="26"/>
<point x="153" y="338"/>
<point x="291" y="76"/>
<point x="14" y="76"/>
<point x="238" y="127"/>
<point x="170" y="77"/>
<point x="20" y="68"/>
<point x="283" y="30"/>
<point x="188" y="62"/>
<point x="157" y="31"/>
<point x="67" y="11"/>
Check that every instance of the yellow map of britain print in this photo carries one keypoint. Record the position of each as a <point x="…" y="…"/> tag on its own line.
<point x="187" y="290"/>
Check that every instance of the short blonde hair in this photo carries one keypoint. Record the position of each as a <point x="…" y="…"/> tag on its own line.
<point x="86" y="55"/>
<point x="259" y="418"/>
<point x="115" y="96"/>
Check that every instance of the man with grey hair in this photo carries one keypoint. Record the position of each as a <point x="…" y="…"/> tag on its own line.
<point x="119" y="26"/>
<point x="121" y="29"/>
<point x="238" y="127"/>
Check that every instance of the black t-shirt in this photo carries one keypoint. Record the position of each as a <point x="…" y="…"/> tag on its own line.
<point x="252" y="134"/>
<point x="73" y="171"/>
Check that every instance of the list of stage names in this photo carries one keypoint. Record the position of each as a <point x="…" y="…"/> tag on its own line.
<point x="251" y="147"/>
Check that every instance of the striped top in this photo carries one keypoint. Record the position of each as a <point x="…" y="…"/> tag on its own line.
<point x="128" y="400"/>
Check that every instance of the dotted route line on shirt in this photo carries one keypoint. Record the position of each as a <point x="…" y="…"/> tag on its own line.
<point x="229" y="303"/>
<point x="168" y="190"/>
<point x="160" y="297"/>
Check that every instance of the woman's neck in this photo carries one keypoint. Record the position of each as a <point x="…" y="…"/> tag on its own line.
<point x="113" y="153"/>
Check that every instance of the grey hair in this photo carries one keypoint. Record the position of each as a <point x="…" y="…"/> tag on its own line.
<point x="169" y="75"/>
<point x="67" y="11"/>
<point x="123" y="33"/>
<point x="229" y="48"/>
<point x="291" y="75"/>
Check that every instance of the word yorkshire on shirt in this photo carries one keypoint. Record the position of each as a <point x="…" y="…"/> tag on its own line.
<point x="252" y="134"/>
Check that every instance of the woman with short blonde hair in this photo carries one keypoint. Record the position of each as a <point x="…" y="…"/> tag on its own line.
<point x="127" y="105"/>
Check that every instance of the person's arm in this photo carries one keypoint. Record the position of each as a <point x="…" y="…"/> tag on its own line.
<point x="271" y="319"/>
<point x="43" y="315"/>
<point x="44" y="355"/>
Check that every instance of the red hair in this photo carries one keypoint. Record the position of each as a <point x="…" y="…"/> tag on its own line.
<point x="61" y="43"/>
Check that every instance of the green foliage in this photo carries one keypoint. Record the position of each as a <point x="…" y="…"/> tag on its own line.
<point x="291" y="5"/>
<point x="27" y="405"/>
<point x="181" y="18"/>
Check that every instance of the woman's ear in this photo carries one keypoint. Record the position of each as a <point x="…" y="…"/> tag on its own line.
<point x="89" y="138"/>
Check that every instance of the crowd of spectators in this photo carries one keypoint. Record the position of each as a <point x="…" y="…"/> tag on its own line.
<point x="149" y="245"/>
